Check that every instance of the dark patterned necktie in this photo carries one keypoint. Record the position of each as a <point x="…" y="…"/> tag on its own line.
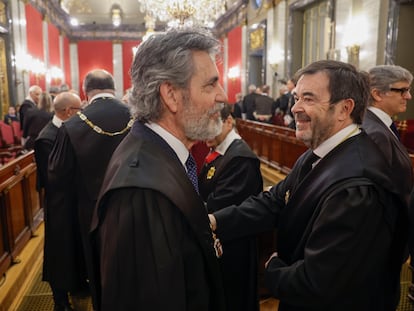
<point x="395" y="130"/>
<point x="307" y="165"/>
<point x="191" y="166"/>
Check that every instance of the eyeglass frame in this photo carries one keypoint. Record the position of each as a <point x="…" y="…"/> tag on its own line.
<point x="402" y="90"/>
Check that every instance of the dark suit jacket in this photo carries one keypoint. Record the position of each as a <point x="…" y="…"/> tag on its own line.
<point x="340" y="230"/>
<point x="151" y="231"/>
<point x="230" y="179"/>
<point x="27" y="104"/>
<point x="393" y="150"/>
<point x="249" y="105"/>
<point x="35" y="120"/>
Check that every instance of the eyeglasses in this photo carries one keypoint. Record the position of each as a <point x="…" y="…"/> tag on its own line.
<point x="403" y="90"/>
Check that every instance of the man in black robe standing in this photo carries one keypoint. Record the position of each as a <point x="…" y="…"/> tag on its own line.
<point x="230" y="174"/>
<point x="57" y="265"/>
<point x="154" y="245"/>
<point x="77" y="163"/>
<point x="341" y="229"/>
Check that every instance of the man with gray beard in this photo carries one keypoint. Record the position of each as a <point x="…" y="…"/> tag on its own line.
<point x="153" y="244"/>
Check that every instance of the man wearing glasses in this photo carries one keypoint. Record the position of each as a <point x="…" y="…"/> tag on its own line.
<point x="390" y="91"/>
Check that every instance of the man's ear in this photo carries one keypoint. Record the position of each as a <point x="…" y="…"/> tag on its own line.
<point x="376" y="95"/>
<point x="347" y="106"/>
<point x="169" y="95"/>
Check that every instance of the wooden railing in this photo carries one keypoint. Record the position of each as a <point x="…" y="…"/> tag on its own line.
<point x="20" y="210"/>
<point x="277" y="146"/>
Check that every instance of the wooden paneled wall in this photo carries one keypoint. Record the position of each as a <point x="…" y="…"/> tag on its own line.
<point x="20" y="210"/>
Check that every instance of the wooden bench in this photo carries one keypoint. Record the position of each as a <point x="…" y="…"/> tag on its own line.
<point x="276" y="146"/>
<point x="20" y="210"/>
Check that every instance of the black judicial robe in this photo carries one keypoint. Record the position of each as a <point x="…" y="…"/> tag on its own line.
<point x="341" y="232"/>
<point x="151" y="233"/>
<point x="230" y="179"/>
<point x="77" y="166"/>
<point x="60" y="260"/>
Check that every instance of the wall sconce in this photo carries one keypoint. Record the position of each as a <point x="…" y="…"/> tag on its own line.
<point x="276" y="55"/>
<point x="274" y="67"/>
<point x="233" y="73"/>
<point x="116" y="15"/>
<point x="354" y="37"/>
<point x="353" y="54"/>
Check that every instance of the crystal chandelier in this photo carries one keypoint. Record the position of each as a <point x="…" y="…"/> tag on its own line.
<point x="178" y="13"/>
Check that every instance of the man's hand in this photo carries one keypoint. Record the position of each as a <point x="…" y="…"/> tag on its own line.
<point x="213" y="222"/>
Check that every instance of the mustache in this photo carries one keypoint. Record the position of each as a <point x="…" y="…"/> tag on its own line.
<point x="302" y="116"/>
<point x="217" y="108"/>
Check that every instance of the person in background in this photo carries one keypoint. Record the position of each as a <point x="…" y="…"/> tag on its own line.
<point x="54" y="91"/>
<point x="77" y="163"/>
<point x="238" y="106"/>
<point x="31" y="101"/>
<point x="154" y="246"/>
<point x="36" y="119"/>
<point x="289" y="119"/>
<point x="11" y="115"/>
<point x="58" y="263"/>
<point x="337" y="213"/>
<point x="390" y="91"/>
<point x="230" y="174"/>
<point x="280" y="105"/>
<point x="263" y="105"/>
<point x="249" y="102"/>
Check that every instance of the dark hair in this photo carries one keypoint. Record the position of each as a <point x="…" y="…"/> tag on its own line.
<point x="165" y="57"/>
<point x="345" y="82"/>
<point x="226" y="111"/>
<point x="98" y="79"/>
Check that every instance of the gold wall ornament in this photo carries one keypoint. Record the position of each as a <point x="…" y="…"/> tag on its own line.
<point x="3" y="15"/>
<point x="257" y="39"/>
<point x="4" y="82"/>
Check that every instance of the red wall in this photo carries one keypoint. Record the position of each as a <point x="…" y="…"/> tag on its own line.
<point x="94" y="55"/>
<point x="54" y="52"/>
<point x="234" y="59"/>
<point x="219" y="64"/>
<point x="127" y="58"/>
<point x="34" y="42"/>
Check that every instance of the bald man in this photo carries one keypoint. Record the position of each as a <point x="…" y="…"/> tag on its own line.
<point x="55" y="261"/>
<point x="79" y="158"/>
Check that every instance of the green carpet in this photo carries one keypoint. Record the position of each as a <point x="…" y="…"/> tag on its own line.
<point x="39" y="296"/>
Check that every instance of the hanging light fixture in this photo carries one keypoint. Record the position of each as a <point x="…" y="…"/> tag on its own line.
<point x="179" y="13"/>
<point x="116" y="15"/>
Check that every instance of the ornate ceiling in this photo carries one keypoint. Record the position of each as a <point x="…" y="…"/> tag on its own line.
<point x="95" y="19"/>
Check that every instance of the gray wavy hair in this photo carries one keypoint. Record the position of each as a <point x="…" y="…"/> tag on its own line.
<point x="165" y="57"/>
<point x="382" y="76"/>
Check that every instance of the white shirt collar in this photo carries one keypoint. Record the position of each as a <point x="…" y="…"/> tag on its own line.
<point x="225" y="144"/>
<point x="57" y="121"/>
<point x="333" y="141"/>
<point x="384" y="117"/>
<point x="176" y="144"/>
<point x="101" y="95"/>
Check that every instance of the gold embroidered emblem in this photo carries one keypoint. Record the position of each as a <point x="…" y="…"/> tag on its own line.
<point x="211" y="172"/>
<point x="287" y="195"/>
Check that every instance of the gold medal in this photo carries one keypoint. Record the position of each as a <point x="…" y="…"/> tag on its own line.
<point x="211" y="172"/>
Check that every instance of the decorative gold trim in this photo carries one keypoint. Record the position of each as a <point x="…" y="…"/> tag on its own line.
<point x="98" y="130"/>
